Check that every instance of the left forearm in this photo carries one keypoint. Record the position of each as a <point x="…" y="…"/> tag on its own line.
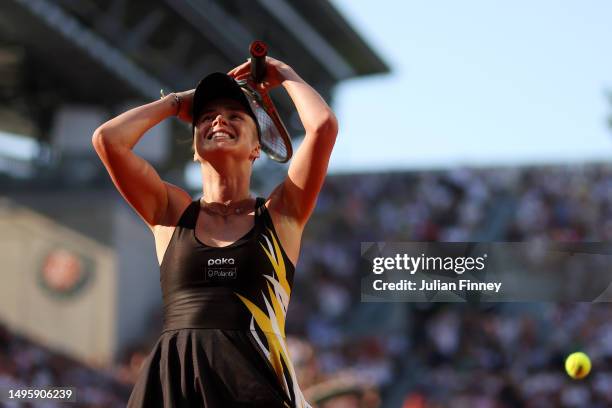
<point x="314" y="112"/>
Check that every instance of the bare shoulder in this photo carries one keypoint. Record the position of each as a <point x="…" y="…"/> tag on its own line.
<point x="178" y="201"/>
<point x="289" y="231"/>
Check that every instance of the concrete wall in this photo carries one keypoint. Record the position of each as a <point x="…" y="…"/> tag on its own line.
<point x="113" y="307"/>
<point x="81" y="323"/>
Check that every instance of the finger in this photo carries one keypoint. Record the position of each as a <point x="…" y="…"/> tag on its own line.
<point x="245" y="66"/>
<point x="263" y="86"/>
<point x="242" y="76"/>
<point x="232" y="72"/>
<point x="237" y="72"/>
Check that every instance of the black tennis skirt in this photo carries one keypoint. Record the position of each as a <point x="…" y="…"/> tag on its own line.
<point x="210" y="368"/>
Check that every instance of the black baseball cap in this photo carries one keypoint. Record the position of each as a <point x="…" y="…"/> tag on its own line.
<point x="216" y="86"/>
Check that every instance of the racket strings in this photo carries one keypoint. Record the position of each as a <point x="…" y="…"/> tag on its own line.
<point x="274" y="139"/>
<point x="271" y="139"/>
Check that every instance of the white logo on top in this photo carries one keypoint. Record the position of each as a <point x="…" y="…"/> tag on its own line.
<point x="221" y="261"/>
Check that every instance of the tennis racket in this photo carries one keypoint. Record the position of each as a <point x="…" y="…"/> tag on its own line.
<point x="274" y="137"/>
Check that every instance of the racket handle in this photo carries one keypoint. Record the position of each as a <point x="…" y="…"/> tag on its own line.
<point x="258" y="50"/>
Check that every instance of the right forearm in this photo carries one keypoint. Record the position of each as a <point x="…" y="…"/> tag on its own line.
<point x="126" y="129"/>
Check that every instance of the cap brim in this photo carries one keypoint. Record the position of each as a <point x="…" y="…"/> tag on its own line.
<point x="217" y="85"/>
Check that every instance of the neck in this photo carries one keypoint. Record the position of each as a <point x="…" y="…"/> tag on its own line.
<point x="222" y="184"/>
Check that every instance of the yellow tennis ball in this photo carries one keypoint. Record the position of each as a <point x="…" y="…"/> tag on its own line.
<point x="578" y="365"/>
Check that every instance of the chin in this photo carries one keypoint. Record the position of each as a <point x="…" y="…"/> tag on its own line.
<point x="222" y="152"/>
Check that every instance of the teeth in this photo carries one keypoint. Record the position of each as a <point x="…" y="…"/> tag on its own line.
<point x="222" y="135"/>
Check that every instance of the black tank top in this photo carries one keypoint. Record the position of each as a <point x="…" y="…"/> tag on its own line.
<point x="234" y="297"/>
<point x="221" y="287"/>
<point x="244" y="286"/>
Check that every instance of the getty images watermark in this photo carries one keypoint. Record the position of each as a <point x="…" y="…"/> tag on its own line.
<point x="422" y="263"/>
<point x="485" y="272"/>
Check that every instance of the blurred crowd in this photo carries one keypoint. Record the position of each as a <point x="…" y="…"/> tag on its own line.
<point x="445" y="355"/>
<point x="25" y="364"/>
<point x="510" y="355"/>
<point x="563" y="204"/>
<point x="353" y="354"/>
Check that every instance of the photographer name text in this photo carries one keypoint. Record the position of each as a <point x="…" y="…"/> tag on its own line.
<point x="437" y="285"/>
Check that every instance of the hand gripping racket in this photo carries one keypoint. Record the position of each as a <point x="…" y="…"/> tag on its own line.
<point x="274" y="137"/>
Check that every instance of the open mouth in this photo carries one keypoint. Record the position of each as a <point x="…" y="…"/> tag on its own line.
<point x="220" y="136"/>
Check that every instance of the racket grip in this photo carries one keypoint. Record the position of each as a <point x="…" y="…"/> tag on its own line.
<point x="258" y="50"/>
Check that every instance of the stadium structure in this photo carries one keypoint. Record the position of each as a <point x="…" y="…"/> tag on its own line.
<point x="79" y="269"/>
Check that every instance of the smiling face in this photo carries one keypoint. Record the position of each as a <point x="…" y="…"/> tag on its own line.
<point x="224" y="127"/>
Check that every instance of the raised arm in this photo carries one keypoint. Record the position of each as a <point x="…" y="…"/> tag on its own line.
<point x="134" y="177"/>
<point x="296" y="196"/>
<point x="309" y="164"/>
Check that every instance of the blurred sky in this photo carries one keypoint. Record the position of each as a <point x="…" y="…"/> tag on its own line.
<point x="478" y="82"/>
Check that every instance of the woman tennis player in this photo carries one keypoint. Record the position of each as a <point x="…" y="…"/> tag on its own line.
<point x="227" y="260"/>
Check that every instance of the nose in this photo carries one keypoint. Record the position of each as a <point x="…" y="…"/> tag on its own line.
<point x="219" y="119"/>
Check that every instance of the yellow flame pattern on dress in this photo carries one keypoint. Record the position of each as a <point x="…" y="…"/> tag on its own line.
<point x="272" y="323"/>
